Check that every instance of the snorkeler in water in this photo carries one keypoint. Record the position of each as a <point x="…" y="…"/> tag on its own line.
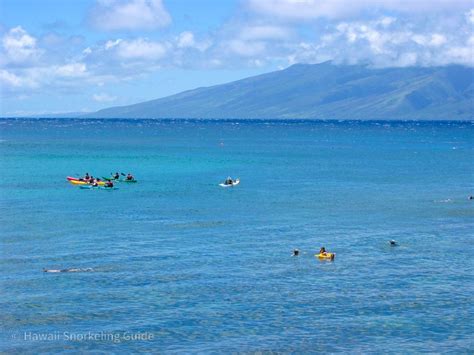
<point x="67" y="270"/>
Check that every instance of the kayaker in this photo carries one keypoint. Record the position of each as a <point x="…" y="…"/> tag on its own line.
<point x="94" y="182"/>
<point x="116" y="176"/>
<point x="228" y="181"/>
<point x="322" y="251"/>
<point x="129" y="177"/>
<point x="296" y="252"/>
<point x="109" y="184"/>
<point x="87" y="177"/>
<point x="393" y="243"/>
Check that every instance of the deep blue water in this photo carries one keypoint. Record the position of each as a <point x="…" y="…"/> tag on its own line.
<point x="193" y="267"/>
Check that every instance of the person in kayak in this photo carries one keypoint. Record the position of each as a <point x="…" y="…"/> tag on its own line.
<point x="87" y="177"/>
<point x="393" y="243"/>
<point x="109" y="184"/>
<point x="129" y="177"/>
<point x="228" y="181"/>
<point x="116" y="176"/>
<point x="296" y="252"/>
<point x="322" y="251"/>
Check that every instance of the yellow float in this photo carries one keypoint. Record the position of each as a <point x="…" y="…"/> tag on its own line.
<point x="325" y="256"/>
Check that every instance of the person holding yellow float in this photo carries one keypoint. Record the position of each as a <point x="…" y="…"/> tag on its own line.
<point x="324" y="255"/>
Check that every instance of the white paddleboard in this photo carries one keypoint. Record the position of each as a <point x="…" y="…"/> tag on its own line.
<point x="236" y="182"/>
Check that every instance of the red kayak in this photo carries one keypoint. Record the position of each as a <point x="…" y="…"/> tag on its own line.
<point x="70" y="178"/>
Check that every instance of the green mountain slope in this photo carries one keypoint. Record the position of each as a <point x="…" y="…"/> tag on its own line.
<point x="322" y="91"/>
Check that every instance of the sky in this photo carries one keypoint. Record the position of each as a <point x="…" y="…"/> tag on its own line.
<point x="83" y="55"/>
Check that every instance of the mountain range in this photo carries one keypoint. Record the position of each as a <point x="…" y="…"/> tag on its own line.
<point x="322" y="91"/>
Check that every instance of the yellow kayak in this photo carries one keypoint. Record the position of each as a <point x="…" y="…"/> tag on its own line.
<point x="77" y="182"/>
<point x="325" y="256"/>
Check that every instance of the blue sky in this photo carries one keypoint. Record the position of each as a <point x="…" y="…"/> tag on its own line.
<point x="84" y="55"/>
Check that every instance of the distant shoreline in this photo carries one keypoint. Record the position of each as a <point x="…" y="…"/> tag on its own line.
<point x="240" y="120"/>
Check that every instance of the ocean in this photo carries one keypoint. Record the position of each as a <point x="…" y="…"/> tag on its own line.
<point x="175" y="263"/>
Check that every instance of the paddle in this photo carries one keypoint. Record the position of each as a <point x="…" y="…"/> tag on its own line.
<point x="110" y="178"/>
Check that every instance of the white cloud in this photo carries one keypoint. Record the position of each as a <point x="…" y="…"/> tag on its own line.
<point x="256" y="63"/>
<point x="112" y="44"/>
<point x="406" y="59"/>
<point x="369" y="33"/>
<point x="311" y="9"/>
<point x="381" y="41"/>
<point x="460" y="54"/>
<point x="264" y="33"/>
<point x="297" y="9"/>
<point x="386" y="21"/>
<point x="72" y="70"/>
<point x="103" y="97"/>
<point x="9" y="78"/>
<point x="470" y="41"/>
<point x="245" y="48"/>
<point x="437" y="40"/>
<point x="470" y="15"/>
<point x="215" y="63"/>
<point x="187" y="39"/>
<point x="111" y="15"/>
<point x="19" y="46"/>
<point x="394" y="44"/>
<point x="433" y="40"/>
<point x="141" y="49"/>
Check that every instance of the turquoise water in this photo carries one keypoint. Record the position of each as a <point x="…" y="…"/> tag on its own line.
<point x="180" y="264"/>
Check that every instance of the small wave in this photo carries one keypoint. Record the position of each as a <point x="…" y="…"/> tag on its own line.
<point x="68" y="270"/>
<point x="448" y="200"/>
